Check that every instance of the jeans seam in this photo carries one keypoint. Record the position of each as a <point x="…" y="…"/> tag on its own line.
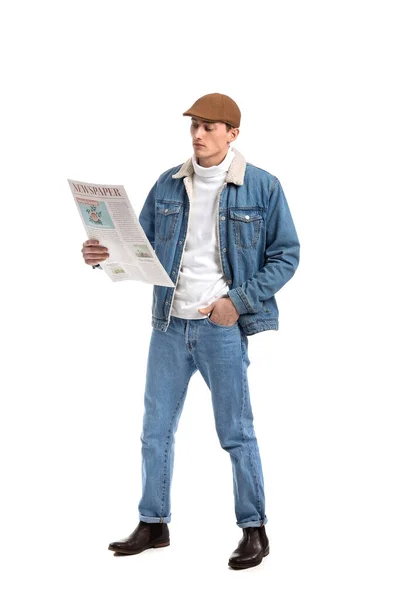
<point x="241" y="420"/>
<point x="167" y="447"/>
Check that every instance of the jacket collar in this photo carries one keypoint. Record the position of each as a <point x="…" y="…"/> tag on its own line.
<point x="235" y="173"/>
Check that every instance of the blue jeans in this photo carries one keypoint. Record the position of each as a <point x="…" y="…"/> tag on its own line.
<point x="219" y="352"/>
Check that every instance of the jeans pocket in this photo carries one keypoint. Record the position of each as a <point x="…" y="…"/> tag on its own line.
<point x="221" y="326"/>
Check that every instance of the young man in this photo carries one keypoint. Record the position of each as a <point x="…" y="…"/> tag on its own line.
<point x="223" y="231"/>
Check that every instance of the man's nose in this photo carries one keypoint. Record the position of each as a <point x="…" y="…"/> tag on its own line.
<point x="198" y="134"/>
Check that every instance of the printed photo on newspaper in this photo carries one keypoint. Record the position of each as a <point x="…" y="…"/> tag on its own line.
<point x="108" y="216"/>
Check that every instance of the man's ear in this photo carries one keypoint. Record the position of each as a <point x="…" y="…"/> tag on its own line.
<point x="235" y="134"/>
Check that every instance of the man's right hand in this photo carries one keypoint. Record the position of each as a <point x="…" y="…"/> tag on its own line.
<point x="93" y="253"/>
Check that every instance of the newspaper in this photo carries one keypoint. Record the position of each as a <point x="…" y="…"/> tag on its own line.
<point x="108" y="216"/>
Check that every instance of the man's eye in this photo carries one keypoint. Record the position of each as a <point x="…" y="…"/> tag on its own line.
<point x="206" y="128"/>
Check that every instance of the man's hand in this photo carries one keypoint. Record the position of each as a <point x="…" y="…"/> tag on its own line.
<point x="93" y="253"/>
<point x="223" y="310"/>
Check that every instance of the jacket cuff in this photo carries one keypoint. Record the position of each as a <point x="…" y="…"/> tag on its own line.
<point x="240" y="301"/>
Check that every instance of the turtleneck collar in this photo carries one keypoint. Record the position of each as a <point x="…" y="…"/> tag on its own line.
<point x="215" y="169"/>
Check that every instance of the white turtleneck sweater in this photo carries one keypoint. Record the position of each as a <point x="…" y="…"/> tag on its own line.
<point x="201" y="280"/>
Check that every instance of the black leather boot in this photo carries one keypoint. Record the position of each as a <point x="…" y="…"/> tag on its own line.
<point x="252" y="548"/>
<point x="146" y="535"/>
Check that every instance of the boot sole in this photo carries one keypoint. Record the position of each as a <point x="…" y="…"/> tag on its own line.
<point x="147" y="547"/>
<point x="238" y="566"/>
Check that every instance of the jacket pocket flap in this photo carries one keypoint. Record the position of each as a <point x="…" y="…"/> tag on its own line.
<point x="168" y="208"/>
<point x="245" y="215"/>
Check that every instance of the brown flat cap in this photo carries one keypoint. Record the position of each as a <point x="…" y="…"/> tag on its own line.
<point x="216" y="107"/>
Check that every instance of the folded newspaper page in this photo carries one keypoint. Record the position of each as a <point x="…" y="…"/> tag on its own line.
<point x="108" y="216"/>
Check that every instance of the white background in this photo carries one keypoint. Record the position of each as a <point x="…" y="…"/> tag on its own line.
<point x="95" y="91"/>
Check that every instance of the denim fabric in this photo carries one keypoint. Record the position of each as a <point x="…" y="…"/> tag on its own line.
<point x="219" y="352"/>
<point x="258" y="246"/>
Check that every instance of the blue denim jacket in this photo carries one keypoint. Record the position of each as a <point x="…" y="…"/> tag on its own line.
<point x="257" y="240"/>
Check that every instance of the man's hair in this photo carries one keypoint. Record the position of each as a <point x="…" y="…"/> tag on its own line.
<point x="228" y="127"/>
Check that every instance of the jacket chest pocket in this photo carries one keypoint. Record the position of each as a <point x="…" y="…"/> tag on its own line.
<point x="167" y="213"/>
<point x="246" y="226"/>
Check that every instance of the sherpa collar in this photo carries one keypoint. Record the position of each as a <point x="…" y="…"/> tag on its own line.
<point x="235" y="173"/>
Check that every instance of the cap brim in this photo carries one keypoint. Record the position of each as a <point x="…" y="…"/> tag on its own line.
<point x="190" y="114"/>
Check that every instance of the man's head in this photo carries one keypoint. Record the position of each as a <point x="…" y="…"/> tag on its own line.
<point x="215" y="120"/>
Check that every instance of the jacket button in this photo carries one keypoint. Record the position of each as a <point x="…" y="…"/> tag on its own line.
<point x="180" y="242"/>
<point x="222" y="218"/>
<point x="224" y="250"/>
<point x="247" y="217"/>
<point x="173" y="273"/>
<point x="166" y="210"/>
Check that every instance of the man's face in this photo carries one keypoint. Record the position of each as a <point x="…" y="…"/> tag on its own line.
<point x="213" y="137"/>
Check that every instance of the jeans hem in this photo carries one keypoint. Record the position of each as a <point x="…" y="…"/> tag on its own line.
<point x="154" y="519"/>
<point x="257" y="523"/>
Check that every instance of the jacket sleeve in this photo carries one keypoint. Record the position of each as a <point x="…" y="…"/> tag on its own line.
<point x="282" y="255"/>
<point x="147" y="214"/>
